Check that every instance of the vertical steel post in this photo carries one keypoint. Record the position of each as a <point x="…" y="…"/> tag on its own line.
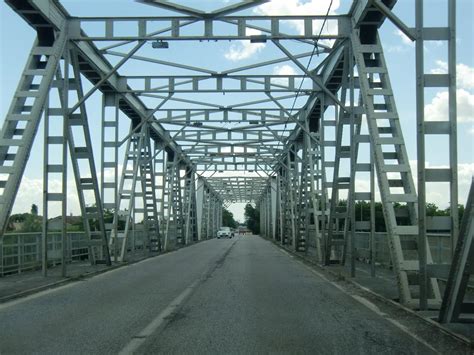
<point x="189" y="178"/>
<point x="65" y="104"/>
<point x="353" y="157"/>
<point x="372" y="213"/>
<point x="453" y="142"/>
<point x="200" y="201"/>
<point x="281" y="230"/>
<point x="44" y="239"/>
<point x="324" y="193"/>
<point x="420" y="130"/>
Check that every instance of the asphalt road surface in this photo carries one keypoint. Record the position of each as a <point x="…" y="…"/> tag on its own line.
<point x="241" y="295"/>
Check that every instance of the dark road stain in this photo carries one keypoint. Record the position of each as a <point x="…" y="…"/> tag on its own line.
<point x="218" y="264"/>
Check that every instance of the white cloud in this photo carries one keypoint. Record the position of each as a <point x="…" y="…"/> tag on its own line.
<point x="404" y="38"/>
<point x="438" y="192"/>
<point x="283" y="70"/>
<point x="363" y="185"/>
<point x="465" y="174"/>
<point x="244" y="49"/>
<point x="441" y="68"/>
<point x="31" y="191"/>
<point x="396" y="49"/>
<point x="437" y="110"/>
<point x="299" y="7"/>
<point x="464" y="74"/>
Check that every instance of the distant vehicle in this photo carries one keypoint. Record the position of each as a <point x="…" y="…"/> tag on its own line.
<point x="225" y="232"/>
<point x="244" y="231"/>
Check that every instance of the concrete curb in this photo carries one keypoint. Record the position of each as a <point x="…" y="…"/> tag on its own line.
<point x="339" y="276"/>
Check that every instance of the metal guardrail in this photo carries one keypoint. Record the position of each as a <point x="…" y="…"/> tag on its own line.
<point x="20" y="252"/>
<point x="440" y="246"/>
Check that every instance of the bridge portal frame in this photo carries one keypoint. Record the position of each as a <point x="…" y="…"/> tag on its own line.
<point x="302" y="161"/>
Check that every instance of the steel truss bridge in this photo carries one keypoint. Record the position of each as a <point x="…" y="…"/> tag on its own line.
<point x="299" y="135"/>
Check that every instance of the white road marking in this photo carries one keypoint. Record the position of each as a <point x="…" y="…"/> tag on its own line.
<point x="286" y="253"/>
<point x="34" y="296"/>
<point x="73" y="282"/>
<point x="70" y="283"/>
<point x="400" y="326"/>
<point x="139" y="339"/>
<point x="365" y="302"/>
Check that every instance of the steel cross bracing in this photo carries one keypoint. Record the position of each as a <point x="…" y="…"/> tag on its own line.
<point x="238" y="189"/>
<point x="395" y="183"/>
<point x="455" y="303"/>
<point x="202" y="138"/>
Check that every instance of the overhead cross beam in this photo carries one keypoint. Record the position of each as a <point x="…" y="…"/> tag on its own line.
<point x="243" y="5"/>
<point x="112" y="26"/>
<point x="174" y="7"/>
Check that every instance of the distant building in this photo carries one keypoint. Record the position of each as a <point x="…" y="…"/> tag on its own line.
<point x="56" y="223"/>
<point x="17" y="226"/>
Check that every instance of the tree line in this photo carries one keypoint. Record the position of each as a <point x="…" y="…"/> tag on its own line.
<point x="32" y="222"/>
<point x="362" y="213"/>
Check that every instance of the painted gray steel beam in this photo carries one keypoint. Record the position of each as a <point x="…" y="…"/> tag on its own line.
<point x="455" y="303"/>
<point x="242" y="5"/>
<point x="328" y="75"/>
<point x="358" y="14"/>
<point x="426" y="127"/>
<point x="54" y="13"/>
<point x="175" y="7"/>
<point x="18" y="112"/>
<point x="207" y="33"/>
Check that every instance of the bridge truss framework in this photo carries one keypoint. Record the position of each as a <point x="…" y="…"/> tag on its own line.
<point x="301" y="135"/>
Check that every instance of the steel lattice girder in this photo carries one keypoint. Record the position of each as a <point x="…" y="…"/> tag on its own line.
<point x="238" y="188"/>
<point x="221" y="83"/>
<point x="172" y="26"/>
<point x="354" y="30"/>
<point x="97" y="69"/>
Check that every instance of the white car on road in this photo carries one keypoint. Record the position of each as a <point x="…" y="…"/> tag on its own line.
<point x="225" y="232"/>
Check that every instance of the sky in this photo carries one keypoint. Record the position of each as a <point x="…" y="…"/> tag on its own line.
<point x="16" y="38"/>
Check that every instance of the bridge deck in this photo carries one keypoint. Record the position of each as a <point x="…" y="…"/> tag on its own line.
<point x="221" y="296"/>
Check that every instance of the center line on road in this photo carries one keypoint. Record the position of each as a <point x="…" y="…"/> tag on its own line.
<point x="140" y="338"/>
<point x="158" y="321"/>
